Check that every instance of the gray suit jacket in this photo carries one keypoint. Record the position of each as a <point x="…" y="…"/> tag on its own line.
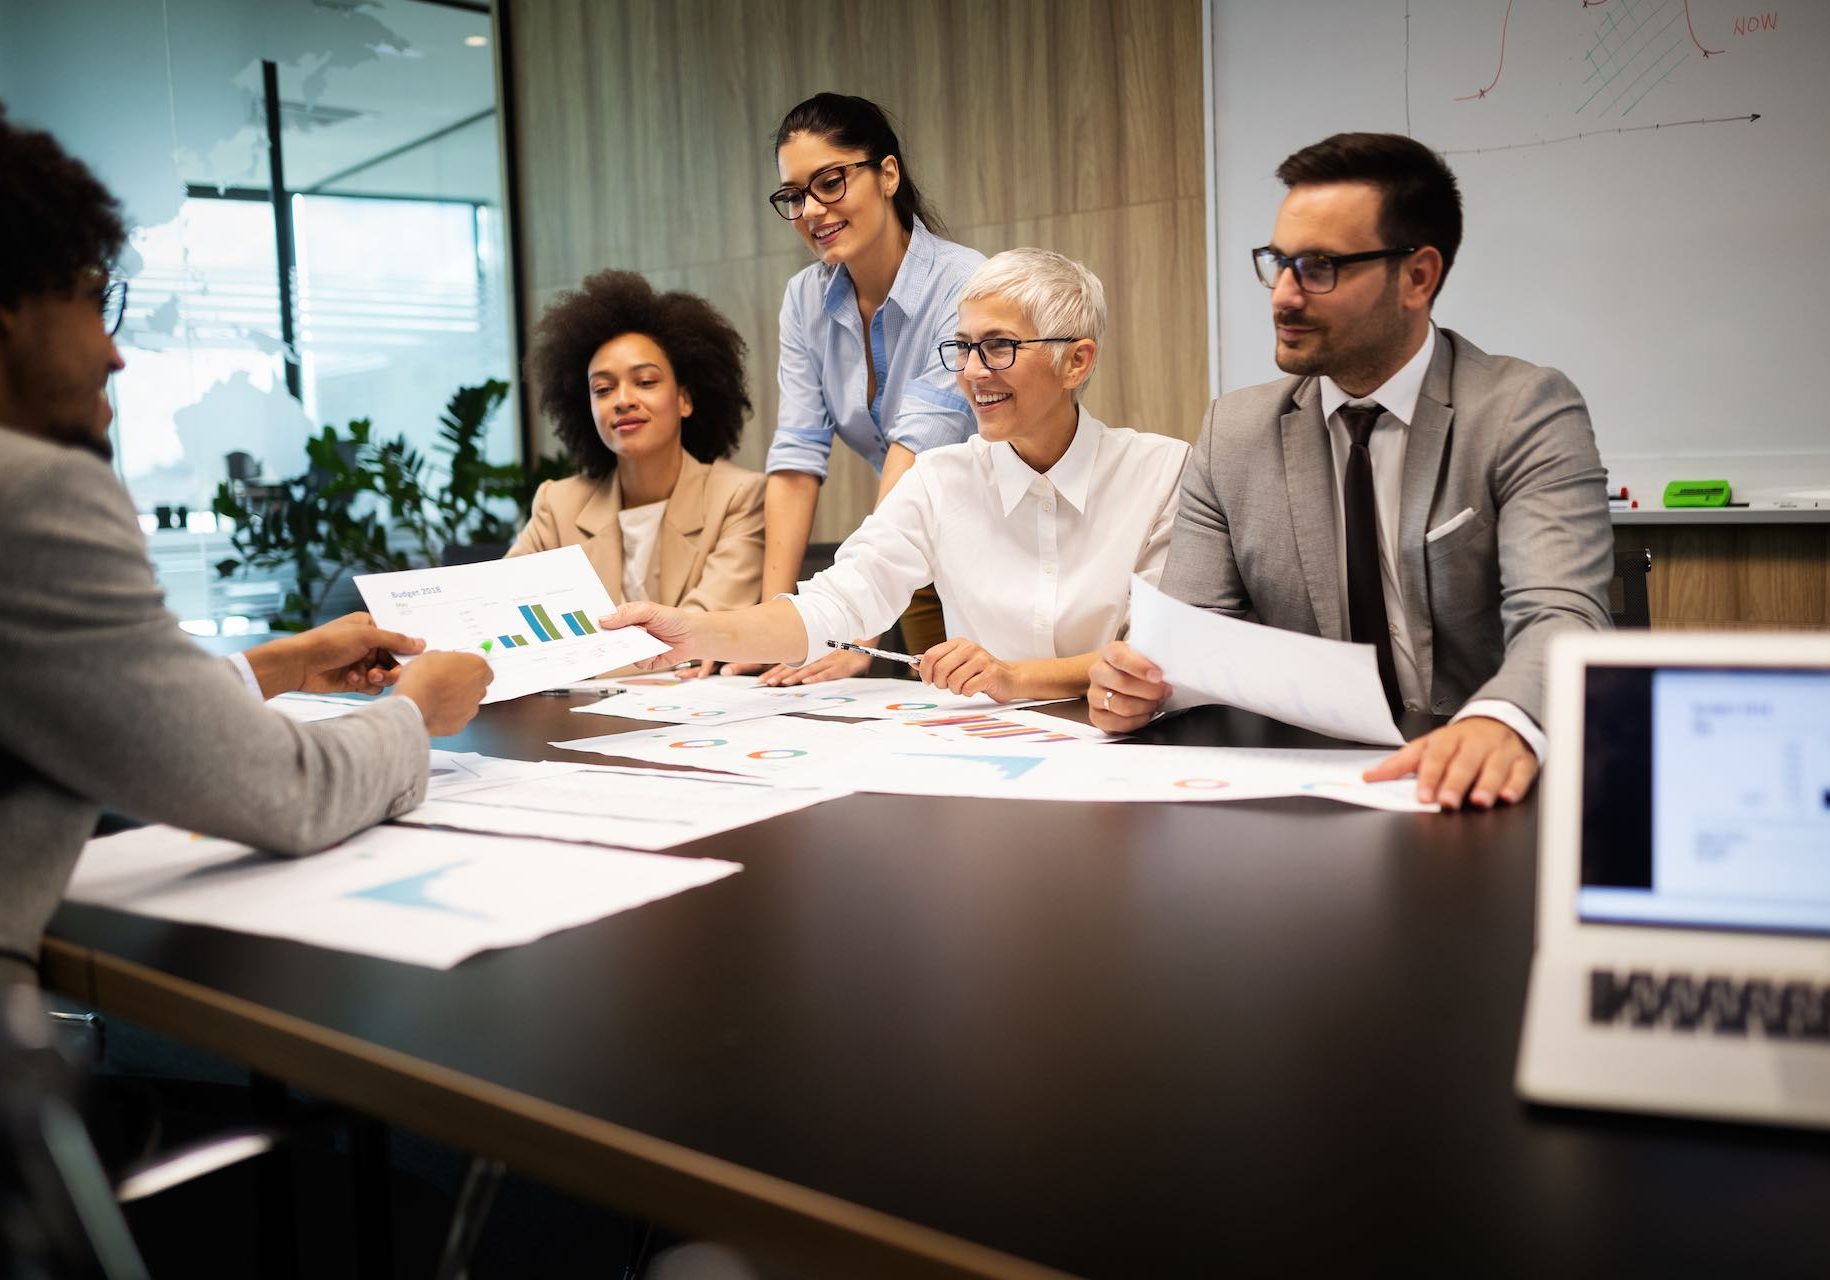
<point x="1257" y="532"/>
<point x="104" y="701"/>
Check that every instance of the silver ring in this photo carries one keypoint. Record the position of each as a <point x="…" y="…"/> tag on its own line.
<point x="1107" y="704"/>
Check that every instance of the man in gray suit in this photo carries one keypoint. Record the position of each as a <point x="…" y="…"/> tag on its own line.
<point x="103" y="700"/>
<point x="1402" y="488"/>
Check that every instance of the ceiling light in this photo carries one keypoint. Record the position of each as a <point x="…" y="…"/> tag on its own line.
<point x="476" y="42"/>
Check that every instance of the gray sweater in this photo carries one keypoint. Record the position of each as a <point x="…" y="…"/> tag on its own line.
<point x="105" y="702"/>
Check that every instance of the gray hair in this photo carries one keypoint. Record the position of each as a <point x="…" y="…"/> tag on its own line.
<point x="1061" y="298"/>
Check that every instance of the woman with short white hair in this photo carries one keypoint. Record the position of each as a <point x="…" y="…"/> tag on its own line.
<point x="1030" y="530"/>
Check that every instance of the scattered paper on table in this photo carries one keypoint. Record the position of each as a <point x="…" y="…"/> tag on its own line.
<point x="307" y="707"/>
<point x="1138" y="773"/>
<point x="534" y="618"/>
<point x="1328" y="686"/>
<point x="812" y="752"/>
<point x="403" y="893"/>
<point x="998" y="726"/>
<point x="624" y="808"/>
<point x="703" y="701"/>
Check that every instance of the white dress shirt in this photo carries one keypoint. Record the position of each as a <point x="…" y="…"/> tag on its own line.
<point x="641" y="527"/>
<point x="1398" y="398"/>
<point x="1027" y="565"/>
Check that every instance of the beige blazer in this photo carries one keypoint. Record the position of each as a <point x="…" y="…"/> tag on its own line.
<point x="709" y="554"/>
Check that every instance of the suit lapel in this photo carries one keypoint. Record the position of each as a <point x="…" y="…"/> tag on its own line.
<point x="1309" y="476"/>
<point x="602" y="533"/>
<point x="680" y="526"/>
<point x="1425" y="442"/>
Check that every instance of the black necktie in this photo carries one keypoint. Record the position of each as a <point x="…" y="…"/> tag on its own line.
<point x="1365" y="585"/>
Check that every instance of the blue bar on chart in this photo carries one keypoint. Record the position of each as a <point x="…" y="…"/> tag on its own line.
<point x="540" y="632"/>
<point x="508" y="642"/>
<point x="572" y="622"/>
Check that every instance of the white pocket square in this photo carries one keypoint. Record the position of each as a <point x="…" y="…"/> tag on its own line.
<point x="1450" y="526"/>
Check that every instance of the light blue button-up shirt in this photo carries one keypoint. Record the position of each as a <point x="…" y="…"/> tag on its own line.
<point x="823" y="376"/>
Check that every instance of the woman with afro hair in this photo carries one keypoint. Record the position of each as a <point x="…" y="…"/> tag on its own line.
<point x="646" y="392"/>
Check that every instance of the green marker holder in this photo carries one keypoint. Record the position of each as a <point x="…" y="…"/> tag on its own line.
<point x="1697" y="493"/>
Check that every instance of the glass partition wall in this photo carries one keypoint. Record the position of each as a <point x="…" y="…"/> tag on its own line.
<point x="315" y="194"/>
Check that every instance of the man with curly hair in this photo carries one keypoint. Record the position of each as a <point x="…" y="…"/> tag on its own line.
<point x="646" y="392"/>
<point x="103" y="700"/>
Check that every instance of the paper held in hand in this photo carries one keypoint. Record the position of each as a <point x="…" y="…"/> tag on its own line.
<point x="533" y="618"/>
<point x="1329" y="686"/>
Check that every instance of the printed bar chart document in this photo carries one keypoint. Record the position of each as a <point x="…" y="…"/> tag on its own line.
<point x="1328" y="686"/>
<point x="532" y="618"/>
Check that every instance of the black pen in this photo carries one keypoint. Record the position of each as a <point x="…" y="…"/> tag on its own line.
<point x="569" y="690"/>
<point x="875" y="653"/>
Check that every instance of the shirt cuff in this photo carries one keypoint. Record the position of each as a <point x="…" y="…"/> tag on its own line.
<point x="242" y="668"/>
<point x="919" y="432"/>
<point x="1512" y="716"/>
<point x="418" y="711"/>
<point x="799" y="449"/>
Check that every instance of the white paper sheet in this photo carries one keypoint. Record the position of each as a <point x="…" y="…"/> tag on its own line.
<point x="1329" y="686"/>
<point x="306" y="707"/>
<point x="623" y="808"/>
<point x="533" y="617"/>
<point x="1136" y="773"/>
<point x="403" y="893"/>
<point x="809" y="752"/>
<point x="997" y="727"/>
<point x="707" y="701"/>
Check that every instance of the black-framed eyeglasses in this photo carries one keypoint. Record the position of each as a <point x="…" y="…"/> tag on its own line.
<point x="1315" y="272"/>
<point x="995" y="353"/>
<point x="114" y="305"/>
<point x="827" y="186"/>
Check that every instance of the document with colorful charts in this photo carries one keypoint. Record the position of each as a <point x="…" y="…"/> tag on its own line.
<point x="534" y="618"/>
<point x="792" y="748"/>
<point x="1128" y="772"/>
<point x="403" y="893"/>
<point x="672" y="699"/>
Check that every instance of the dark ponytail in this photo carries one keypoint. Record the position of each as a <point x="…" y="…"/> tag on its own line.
<point x="861" y="125"/>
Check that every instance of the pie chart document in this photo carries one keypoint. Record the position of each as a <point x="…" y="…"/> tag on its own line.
<point x="533" y="618"/>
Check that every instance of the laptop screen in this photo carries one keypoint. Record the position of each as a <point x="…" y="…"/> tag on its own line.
<point x="1706" y="798"/>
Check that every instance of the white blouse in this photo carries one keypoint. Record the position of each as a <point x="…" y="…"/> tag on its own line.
<point x="1027" y="565"/>
<point x="641" y="528"/>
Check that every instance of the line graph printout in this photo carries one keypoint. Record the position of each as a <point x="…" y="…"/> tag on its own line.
<point x="623" y="808"/>
<point x="420" y="897"/>
<point x="532" y="618"/>
<point x="1138" y="773"/>
<point x="1741" y="797"/>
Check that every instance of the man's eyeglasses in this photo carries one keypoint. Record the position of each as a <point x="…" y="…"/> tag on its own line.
<point x="827" y="186"/>
<point x="114" y="305"/>
<point x="1315" y="272"/>
<point x="996" y="353"/>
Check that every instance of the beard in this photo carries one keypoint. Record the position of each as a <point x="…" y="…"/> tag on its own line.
<point x="83" y="437"/>
<point x="1364" y="354"/>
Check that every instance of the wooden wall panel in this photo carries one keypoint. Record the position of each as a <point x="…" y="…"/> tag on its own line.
<point x="643" y="134"/>
<point x="1735" y="577"/>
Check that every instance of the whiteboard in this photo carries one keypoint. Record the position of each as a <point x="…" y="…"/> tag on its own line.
<point x="1625" y="221"/>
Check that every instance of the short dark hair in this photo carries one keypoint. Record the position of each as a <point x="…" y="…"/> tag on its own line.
<point x="706" y="352"/>
<point x="1420" y="201"/>
<point x="56" y="220"/>
<point x="858" y="124"/>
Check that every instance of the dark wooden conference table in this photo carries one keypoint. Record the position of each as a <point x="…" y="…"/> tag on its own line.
<point x="963" y="1037"/>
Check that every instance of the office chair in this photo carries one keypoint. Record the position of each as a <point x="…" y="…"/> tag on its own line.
<point x="1631" y="569"/>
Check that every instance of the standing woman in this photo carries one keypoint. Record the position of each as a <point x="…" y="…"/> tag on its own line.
<point x="859" y="332"/>
<point x="646" y="392"/>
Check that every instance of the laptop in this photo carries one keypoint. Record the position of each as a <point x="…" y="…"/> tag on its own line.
<point x="1683" y="936"/>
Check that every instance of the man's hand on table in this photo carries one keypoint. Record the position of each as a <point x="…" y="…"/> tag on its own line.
<point x="1478" y="762"/>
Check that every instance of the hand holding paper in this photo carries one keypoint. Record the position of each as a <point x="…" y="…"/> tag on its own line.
<point x="1328" y="686"/>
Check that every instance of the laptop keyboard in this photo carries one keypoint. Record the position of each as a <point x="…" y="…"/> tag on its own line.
<point x="1712" y="1005"/>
